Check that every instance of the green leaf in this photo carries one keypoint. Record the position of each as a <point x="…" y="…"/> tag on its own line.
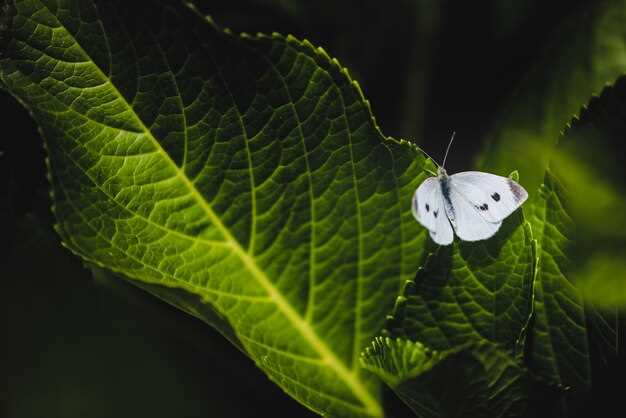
<point x="589" y="160"/>
<point x="559" y="349"/>
<point x="245" y="171"/>
<point x="587" y="53"/>
<point x="475" y="294"/>
<point x="472" y="291"/>
<point x="475" y="380"/>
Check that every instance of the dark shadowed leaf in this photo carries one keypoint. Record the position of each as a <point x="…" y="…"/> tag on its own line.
<point x="559" y="348"/>
<point x="471" y="291"/>
<point x="477" y="294"/>
<point x="476" y="380"/>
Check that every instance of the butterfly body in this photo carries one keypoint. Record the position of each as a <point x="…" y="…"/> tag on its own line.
<point x="471" y="204"/>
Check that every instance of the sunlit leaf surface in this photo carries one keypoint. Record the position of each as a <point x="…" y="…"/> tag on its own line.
<point x="247" y="171"/>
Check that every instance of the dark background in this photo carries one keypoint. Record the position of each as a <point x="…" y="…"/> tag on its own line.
<point x="78" y="347"/>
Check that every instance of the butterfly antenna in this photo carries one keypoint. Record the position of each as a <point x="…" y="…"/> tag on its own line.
<point x="433" y="160"/>
<point x="448" y="149"/>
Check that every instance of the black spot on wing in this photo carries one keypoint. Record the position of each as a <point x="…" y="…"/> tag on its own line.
<point x="495" y="197"/>
<point x="427" y="207"/>
<point x="436" y="213"/>
<point x="483" y="207"/>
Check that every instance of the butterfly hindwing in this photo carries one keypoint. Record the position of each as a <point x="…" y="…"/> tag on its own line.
<point x="423" y="202"/>
<point x="493" y="197"/>
<point x="428" y="209"/>
<point x="442" y="234"/>
<point x="468" y="222"/>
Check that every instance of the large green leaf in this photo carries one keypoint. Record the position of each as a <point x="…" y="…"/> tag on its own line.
<point x="474" y="380"/>
<point x="587" y="52"/>
<point x="247" y="171"/>
<point x="471" y="291"/>
<point x="559" y="348"/>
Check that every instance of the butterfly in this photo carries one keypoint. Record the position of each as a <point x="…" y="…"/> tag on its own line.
<point x="471" y="203"/>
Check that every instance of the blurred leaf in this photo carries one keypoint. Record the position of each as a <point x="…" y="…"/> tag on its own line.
<point x="476" y="380"/>
<point x="597" y="206"/>
<point x="587" y="53"/>
<point x="245" y="171"/>
<point x="589" y="161"/>
<point x="603" y="281"/>
<point x="471" y="291"/>
<point x="559" y="349"/>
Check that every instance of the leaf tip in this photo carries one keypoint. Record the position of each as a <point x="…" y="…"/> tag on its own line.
<point x="209" y="19"/>
<point x="306" y="43"/>
<point x="321" y="51"/>
<point x="409" y="288"/>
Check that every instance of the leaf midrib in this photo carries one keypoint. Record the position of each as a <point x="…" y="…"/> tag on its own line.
<point x="356" y="348"/>
<point x="300" y="324"/>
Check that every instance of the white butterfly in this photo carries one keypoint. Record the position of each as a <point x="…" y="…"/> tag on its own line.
<point x="472" y="202"/>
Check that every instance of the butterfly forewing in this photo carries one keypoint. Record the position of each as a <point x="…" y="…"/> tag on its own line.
<point x="493" y="197"/>
<point x="424" y="200"/>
